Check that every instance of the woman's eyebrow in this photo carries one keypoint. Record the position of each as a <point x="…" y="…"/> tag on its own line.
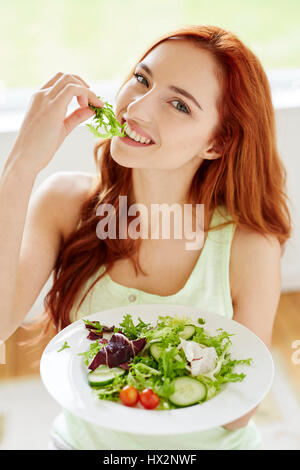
<point x="172" y="87"/>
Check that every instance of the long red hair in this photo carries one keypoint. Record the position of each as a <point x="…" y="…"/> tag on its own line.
<point x="249" y="178"/>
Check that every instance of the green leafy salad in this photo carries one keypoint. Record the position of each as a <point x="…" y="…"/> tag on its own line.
<point x="174" y="364"/>
<point x="105" y="117"/>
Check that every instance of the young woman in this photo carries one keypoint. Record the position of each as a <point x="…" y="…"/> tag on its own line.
<point x="203" y="99"/>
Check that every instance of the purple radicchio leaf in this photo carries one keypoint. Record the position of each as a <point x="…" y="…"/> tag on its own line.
<point x="94" y="335"/>
<point x="125" y="365"/>
<point x="91" y="327"/>
<point x="138" y="345"/>
<point x="104" y="329"/>
<point x="103" y="341"/>
<point x="99" y="359"/>
<point x="118" y="351"/>
<point x="108" y="329"/>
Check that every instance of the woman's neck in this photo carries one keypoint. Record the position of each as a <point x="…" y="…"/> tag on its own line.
<point x="151" y="186"/>
<point x="168" y="187"/>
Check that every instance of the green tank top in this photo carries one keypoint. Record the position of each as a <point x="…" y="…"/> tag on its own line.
<point x="208" y="287"/>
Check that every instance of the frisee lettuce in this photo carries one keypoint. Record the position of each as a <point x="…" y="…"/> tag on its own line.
<point x="95" y="325"/>
<point x="64" y="346"/>
<point x="131" y="330"/>
<point x="91" y="353"/>
<point x="112" y="391"/>
<point x="105" y="117"/>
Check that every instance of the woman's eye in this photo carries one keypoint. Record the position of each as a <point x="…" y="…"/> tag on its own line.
<point x="181" y="104"/>
<point x="137" y="76"/>
<point x="185" y="110"/>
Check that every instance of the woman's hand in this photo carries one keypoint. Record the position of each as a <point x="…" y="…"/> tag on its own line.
<point x="240" y="422"/>
<point x="45" y="125"/>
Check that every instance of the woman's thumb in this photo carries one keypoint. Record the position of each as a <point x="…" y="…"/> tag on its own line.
<point x="77" y="117"/>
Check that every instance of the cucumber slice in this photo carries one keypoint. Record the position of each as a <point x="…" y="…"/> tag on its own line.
<point x="156" y="350"/>
<point x="187" y="392"/>
<point x="162" y="332"/>
<point x="211" y="392"/>
<point x="187" y="332"/>
<point x="104" y="375"/>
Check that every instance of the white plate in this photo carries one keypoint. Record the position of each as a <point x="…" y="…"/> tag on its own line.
<point x="65" y="377"/>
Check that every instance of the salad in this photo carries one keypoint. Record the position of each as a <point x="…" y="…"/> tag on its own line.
<point x="105" y="117"/>
<point x="174" y="364"/>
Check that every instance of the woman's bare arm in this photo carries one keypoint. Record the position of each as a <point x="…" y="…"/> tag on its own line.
<point x="256" y="272"/>
<point x="29" y="245"/>
<point x="53" y="213"/>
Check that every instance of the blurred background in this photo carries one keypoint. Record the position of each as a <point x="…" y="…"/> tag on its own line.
<point x="100" y="40"/>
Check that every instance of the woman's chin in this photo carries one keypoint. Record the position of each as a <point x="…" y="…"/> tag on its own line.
<point x="124" y="158"/>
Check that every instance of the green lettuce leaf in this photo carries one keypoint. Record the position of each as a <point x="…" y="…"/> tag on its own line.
<point x="105" y="117"/>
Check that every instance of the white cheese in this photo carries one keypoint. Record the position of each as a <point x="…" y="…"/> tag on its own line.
<point x="201" y="358"/>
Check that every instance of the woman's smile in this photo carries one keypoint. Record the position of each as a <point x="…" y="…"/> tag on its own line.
<point x="129" y="141"/>
<point x="132" y="131"/>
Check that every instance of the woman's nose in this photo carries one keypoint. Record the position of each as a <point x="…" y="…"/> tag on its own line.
<point x="141" y="108"/>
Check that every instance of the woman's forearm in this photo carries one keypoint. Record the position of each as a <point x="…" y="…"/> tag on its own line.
<point x="16" y="183"/>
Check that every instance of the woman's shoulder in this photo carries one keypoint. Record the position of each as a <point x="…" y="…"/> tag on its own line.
<point x="250" y="248"/>
<point x="69" y="191"/>
<point x="251" y="239"/>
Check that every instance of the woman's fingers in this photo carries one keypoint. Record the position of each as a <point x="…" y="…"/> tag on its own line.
<point x="56" y="85"/>
<point x="61" y="83"/>
<point x="51" y="81"/>
<point x="65" y="81"/>
<point x="45" y="125"/>
<point x="83" y="94"/>
<point x="77" y="117"/>
<point x="77" y="76"/>
<point x="58" y="77"/>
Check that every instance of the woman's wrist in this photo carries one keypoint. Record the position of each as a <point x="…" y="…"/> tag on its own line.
<point x="18" y="165"/>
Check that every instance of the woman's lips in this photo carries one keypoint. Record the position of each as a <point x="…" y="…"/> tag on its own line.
<point x="133" y="143"/>
<point x="139" y="131"/>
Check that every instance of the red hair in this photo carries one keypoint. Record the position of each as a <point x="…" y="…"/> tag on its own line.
<point x="249" y="178"/>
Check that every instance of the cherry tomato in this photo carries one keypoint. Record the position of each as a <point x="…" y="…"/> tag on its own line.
<point x="129" y="396"/>
<point x="149" y="399"/>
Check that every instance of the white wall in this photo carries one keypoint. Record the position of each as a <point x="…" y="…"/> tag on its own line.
<point x="76" y="153"/>
<point x="288" y="129"/>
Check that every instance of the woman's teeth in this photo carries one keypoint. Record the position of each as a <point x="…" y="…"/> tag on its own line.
<point x="135" y="136"/>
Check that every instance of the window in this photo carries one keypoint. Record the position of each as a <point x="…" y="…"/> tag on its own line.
<point x="101" y="39"/>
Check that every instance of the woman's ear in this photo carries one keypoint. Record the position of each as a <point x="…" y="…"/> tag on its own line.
<point x="213" y="152"/>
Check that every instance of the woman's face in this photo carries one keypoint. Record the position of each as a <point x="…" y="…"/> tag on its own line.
<point x="181" y="127"/>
